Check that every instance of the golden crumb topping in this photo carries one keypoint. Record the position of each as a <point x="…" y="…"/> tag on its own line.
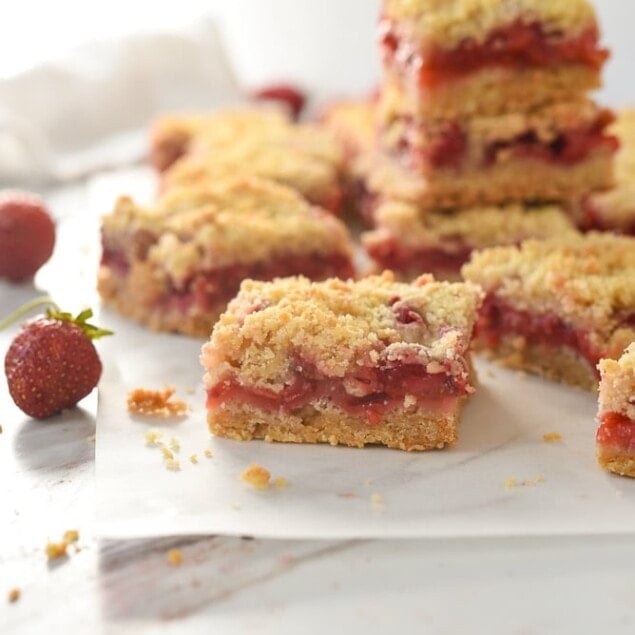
<point x="232" y="221"/>
<point x="339" y="327"/>
<point x="617" y="385"/>
<point x="477" y="227"/>
<point x="256" y="476"/>
<point x="448" y="22"/>
<point x="589" y="281"/>
<point x="221" y="127"/>
<point x="353" y="122"/>
<point x="284" y="164"/>
<point x="155" y="403"/>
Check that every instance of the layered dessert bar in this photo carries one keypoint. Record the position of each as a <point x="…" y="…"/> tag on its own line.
<point x="556" y="307"/>
<point x="351" y="363"/>
<point x="172" y="135"/>
<point x="353" y="124"/>
<point x="614" y="209"/>
<point x="615" y="439"/>
<point x="557" y="153"/>
<point x="460" y="58"/>
<point x="174" y="266"/>
<point x="412" y="241"/>
<point x="309" y="163"/>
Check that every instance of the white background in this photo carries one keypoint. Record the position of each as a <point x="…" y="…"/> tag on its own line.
<point x="327" y="45"/>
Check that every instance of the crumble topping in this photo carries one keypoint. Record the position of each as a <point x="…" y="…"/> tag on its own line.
<point x="208" y="454"/>
<point x="587" y="280"/>
<point x="174" y="557"/>
<point x="155" y="403"/>
<point x="477" y="227"/>
<point x="57" y="550"/>
<point x="230" y="221"/>
<point x="353" y="122"/>
<point x="256" y="476"/>
<point x="271" y="329"/>
<point x="617" y="385"/>
<point x="551" y="437"/>
<point x="448" y="22"/>
<point x="14" y="595"/>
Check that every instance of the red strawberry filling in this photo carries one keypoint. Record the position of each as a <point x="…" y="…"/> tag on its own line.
<point x="594" y="218"/>
<point x="498" y="319"/>
<point x="389" y="254"/>
<point x="378" y="390"/>
<point x="448" y="146"/>
<point x="206" y="289"/>
<point x="516" y="46"/>
<point x="616" y="430"/>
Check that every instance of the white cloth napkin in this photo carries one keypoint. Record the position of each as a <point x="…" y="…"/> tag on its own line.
<point x="91" y="110"/>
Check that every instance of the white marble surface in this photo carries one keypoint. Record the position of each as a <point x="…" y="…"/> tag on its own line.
<point x="233" y="585"/>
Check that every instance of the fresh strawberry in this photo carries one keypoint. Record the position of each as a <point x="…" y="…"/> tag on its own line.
<point x="52" y="363"/>
<point x="289" y="95"/>
<point x="27" y="235"/>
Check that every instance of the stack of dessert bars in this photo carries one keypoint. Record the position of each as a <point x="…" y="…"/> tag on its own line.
<point x="486" y="130"/>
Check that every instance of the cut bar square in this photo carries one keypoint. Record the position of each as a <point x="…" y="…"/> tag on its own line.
<point x="342" y="362"/>
<point x="175" y="266"/>
<point x="556" y="307"/>
<point x="615" y="439"/>
<point x="460" y="58"/>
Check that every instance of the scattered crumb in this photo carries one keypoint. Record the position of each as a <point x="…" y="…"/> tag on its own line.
<point x="71" y="536"/>
<point x="167" y="453"/>
<point x="193" y="458"/>
<point x="189" y="390"/>
<point x="1" y="431"/>
<point x="208" y="454"/>
<point x="377" y="501"/>
<point x="489" y="372"/>
<point x="511" y="482"/>
<point x="281" y="482"/>
<point x="368" y="481"/>
<point x="257" y="476"/>
<point x="155" y="403"/>
<point x="153" y="437"/>
<point x="347" y="495"/>
<point x="175" y="444"/>
<point x="173" y="464"/>
<point x="174" y="557"/>
<point x="14" y="595"/>
<point x="56" y="550"/>
<point x="91" y="438"/>
<point x="551" y="437"/>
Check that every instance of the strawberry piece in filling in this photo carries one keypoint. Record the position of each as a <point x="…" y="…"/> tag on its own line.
<point x="516" y="46"/>
<point x="616" y="430"/>
<point x="498" y="319"/>
<point x="378" y="390"/>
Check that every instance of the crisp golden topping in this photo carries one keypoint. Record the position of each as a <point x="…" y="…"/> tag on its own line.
<point x="477" y="227"/>
<point x="174" y="557"/>
<point x="589" y="281"/>
<point x="155" y="403"/>
<point x="353" y="122"/>
<point x="617" y="386"/>
<point x="257" y="476"/>
<point x="448" y="22"/>
<point x="270" y="329"/>
<point x="232" y="221"/>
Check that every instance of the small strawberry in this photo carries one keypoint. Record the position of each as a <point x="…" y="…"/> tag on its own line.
<point x="27" y="235"/>
<point x="52" y="362"/>
<point x="289" y="95"/>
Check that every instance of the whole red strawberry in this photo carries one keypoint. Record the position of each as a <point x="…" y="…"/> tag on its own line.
<point x="290" y="96"/>
<point x="27" y="235"/>
<point x="52" y="363"/>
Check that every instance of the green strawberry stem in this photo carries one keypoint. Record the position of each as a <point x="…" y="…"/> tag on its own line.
<point x="53" y="312"/>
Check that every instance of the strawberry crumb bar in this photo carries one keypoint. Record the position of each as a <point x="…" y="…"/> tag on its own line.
<point x="412" y="241"/>
<point x="172" y="135"/>
<point x="175" y="266"/>
<point x="458" y="58"/>
<point x="557" y="153"/>
<point x="351" y="363"/>
<point x="615" y="439"/>
<point x="614" y="210"/>
<point x="556" y="307"/>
